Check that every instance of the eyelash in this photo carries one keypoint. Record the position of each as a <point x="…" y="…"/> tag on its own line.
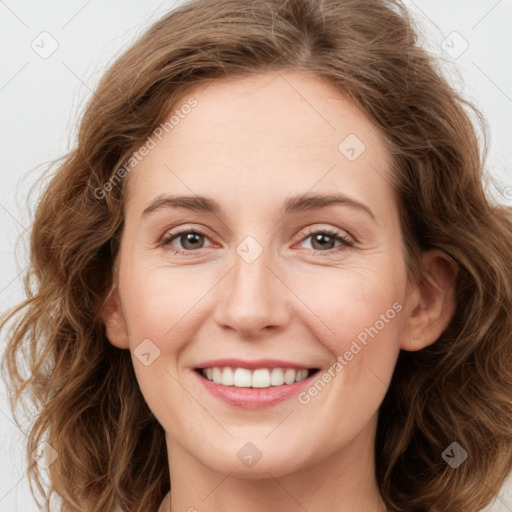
<point x="345" y="242"/>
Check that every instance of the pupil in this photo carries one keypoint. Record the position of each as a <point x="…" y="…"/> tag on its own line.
<point x="322" y="239"/>
<point x="190" y="238"/>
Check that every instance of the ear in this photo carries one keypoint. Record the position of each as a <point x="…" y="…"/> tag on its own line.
<point x="115" y="325"/>
<point x="431" y="304"/>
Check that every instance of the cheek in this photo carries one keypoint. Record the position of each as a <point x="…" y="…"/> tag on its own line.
<point x="359" y="320"/>
<point x="159" y="302"/>
<point x="159" y="306"/>
<point x="350" y="304"/>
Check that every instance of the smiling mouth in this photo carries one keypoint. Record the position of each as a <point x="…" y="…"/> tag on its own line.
<point x="258" y="378"/>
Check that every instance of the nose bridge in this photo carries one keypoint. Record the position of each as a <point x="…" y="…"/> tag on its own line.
<point x="253" y="297"/>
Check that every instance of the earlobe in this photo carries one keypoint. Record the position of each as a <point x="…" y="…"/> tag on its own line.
<point x="433" y="301"/>
<point x="115" y="325"/>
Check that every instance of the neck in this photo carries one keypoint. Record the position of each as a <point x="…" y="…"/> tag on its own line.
<point x="344" y="480"/>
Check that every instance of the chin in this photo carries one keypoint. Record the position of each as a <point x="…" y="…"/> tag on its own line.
<point x="258" y="460"/>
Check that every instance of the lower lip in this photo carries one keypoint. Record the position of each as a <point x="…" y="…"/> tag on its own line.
<point x="254" y="398"/>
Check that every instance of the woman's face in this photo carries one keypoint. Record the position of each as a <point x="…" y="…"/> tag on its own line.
<point x="259" y="268"/>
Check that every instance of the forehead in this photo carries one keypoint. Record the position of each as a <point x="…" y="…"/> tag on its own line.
<point x="266" y="135"/>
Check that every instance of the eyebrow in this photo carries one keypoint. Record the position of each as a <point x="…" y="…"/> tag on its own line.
<point x="293" y="204"/>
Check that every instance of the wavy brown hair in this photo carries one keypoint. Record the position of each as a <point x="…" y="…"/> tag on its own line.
<point x="111" y="449"/>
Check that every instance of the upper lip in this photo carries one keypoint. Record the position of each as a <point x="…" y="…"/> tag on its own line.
<point x="252" y="365"/>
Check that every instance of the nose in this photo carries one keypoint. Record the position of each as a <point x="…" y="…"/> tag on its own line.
<point x="254" y="298"/>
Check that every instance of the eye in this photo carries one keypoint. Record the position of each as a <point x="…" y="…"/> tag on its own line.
<point x="192" y="239"/>
<point x="189" y="238"/>
<point x="322" y="240"/>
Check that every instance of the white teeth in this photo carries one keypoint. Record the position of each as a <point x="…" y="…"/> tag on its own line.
<point x="217" y="376"/>
<point x="260" y="378"/>
<point x="277" y="377"/>
<point x="242" y="378"/>
<point x="301" y="375"/>
<point x="289" y="376"/>
<point x="227" y="377"/>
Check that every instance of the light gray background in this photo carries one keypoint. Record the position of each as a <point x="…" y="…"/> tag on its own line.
<point x="41" y="100"/>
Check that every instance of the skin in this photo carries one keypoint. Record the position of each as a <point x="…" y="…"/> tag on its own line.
<point x="250" y="143"/>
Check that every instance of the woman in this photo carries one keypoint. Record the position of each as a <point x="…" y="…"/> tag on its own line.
<point x="340" y="336"/>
